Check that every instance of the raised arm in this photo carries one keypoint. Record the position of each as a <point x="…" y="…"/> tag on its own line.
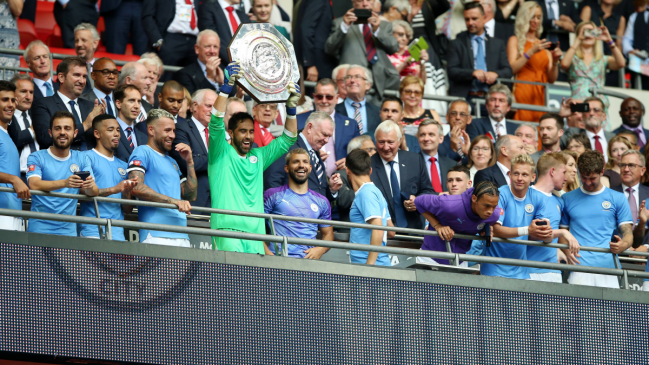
<point x="188" y="188"/>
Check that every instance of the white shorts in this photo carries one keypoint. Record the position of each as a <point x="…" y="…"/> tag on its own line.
<point x="11" y="223"/>
<point x="550" y="277"/>
<point x="431" y="261"/>
<point x="180" y="242"/>
<point x="645" y="286"/>
<point x="599" y="280"/>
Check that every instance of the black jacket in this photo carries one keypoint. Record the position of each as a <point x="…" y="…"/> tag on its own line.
<point x="39" y="94"/>
<point x="373" y="116"/>
<point x="314" y="24"/>
<point x="445" y="164"/>
<point x="481" y="126"/>
<point x="157" y="15"/>
<point x="192" y="78"/>
<point x="186" y="132"/>
<point x="124" y="149"/>
<point x="211" y="16"/>
<point x="42" y="111"/>
<point x="493" y="174"/>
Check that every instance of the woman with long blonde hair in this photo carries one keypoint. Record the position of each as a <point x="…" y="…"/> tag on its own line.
<point x="571" y="172"/>
<point x="531" y="59"/>
<point x="586" y="63"/>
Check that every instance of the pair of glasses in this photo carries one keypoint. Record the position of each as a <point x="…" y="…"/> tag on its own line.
<point x="483" y="149"/>
<point x="596" y="110"/>
<point x="412" y="92"/>
<point x="320" y="97"/>
<point x="106" y="72"/>
<point x="455" y="114"/>
<point x="631" y="166"/>
<point x="268" y="106"/>
<point x="355" y="77"/>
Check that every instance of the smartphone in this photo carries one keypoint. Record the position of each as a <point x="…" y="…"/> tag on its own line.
<point x="83" y="174"/>
<point x="579" y="108"/>
<point x="592" y="33"/>
<point x="542" y="223"/>
<point x="362" y="15"/>
<point x="553" y="46"/>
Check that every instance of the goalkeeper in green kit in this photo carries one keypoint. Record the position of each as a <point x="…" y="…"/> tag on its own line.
<point x="236" y="173"/>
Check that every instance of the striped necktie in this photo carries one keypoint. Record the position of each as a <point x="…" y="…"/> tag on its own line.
<point x="129" y="131"/>
<point x="357" y="116"/>
<point x="319" y="171"/>
<point x="369" y="45"/>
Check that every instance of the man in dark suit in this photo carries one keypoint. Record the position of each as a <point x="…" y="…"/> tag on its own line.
<point x="493" y="28"/>
<point x="123" y="21"/>
<point x="128" y="102"/>
<point x="499" y="100"/>
<point x="400" y="175"/>
<point x="135" y="73"/>
<point x="171" y="28"/>
<point x="20" y="129"/>
<point x="105" y="74"/>
<point x="358" y="81"/>
<point x="367" y="45"/>
<point x="171" y="99"/>
<point x="431" y="136"/>
<point x="69" y="13"/>
<point x="319" y="128"/>
<point x="37" y="57"/>
<point x="223" y="17"/>
<point x="194" y="133"/>
<point x="632" y="167"/>
<point x="313" y="26"/>
<point x="204" y="73"/>
<point x="559" y="19"/>
<point x="475" y="60"/>
<point x="507" y="147"/>
<point x="325" y="97"/>
<point x="72" y="74"/>
<point x="632" y="113"/>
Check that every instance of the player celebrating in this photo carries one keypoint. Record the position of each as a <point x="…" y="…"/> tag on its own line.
<point x="297" y="200"/>
<point x="237" y="171"/>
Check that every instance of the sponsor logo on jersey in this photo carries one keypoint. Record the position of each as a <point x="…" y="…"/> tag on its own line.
<point x="32" y="167"/>
<point x="480" y="226"/>
<point x="137" y="162"/>
<point x="314" y="207"/>
<point x="253" y="159"/>
<point x="529" y="208"/>
<point x="74" y="167"/>
<point x="606" y="204"/>
<point x="121" y="171"/>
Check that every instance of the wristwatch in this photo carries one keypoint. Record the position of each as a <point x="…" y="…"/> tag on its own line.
<point x="157" y="44"/>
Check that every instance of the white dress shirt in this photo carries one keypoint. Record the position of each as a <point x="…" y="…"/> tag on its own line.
<point x="224" y="5"/>
<point x="388" y="169"/>
<point x="636" y="195"/>
<point x="201" y="130"/>
<point x="505" y="172"/>
<point x="66" y="101"/>
<point x="429" y="164"/>
<point x="40" y="84"/>
<point x="627" y="41"/>
<point x="182" y="18"/>
<point x="490" y="27"/>
<point x="602" y="141"/>
<point x="502" y="130"/>
<point x="26" y="151"/>
<point x="123" y="126"/>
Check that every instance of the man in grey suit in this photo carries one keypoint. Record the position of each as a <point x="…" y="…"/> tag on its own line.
<point x="105" y="75"/>
<point x="367" y="45"/>
<point x="596" y="134"/>
<point x="551" y="131"/>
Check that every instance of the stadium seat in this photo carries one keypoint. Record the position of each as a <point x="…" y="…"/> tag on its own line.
<point x="54" y="39"/>
<point x="27" y="32"/>
<point x="45" y="21"/>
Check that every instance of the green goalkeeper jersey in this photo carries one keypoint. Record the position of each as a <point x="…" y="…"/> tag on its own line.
<point x="237" y="183"/>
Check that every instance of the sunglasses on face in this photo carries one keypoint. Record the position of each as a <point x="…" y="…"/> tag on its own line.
<point x="320" y="97"/>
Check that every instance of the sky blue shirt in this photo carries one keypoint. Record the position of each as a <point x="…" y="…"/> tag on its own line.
<point x="50" y="168"/>
<point x="10" y="165"/>
<point x="592" y="219"/>
<point x="516" y="212"/>
<point x="368" y="204"/>
<point x="161" y="173"/>
<point x="284" y="201"/>
<point x="351" y="110"/>
<point x="109" y="171"/>
<point x="474" y="45"/>
<point x="552" y="211"/>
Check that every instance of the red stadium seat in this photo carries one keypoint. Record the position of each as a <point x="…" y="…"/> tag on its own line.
<point x="54" y="39"/>
<point x="45" y="22"/>
<point x="27" y="32"/>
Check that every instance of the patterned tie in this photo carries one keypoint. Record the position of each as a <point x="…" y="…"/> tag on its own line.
<point x="266" y="137"/>
<point x="639" y="134"/>
<point x="48" y="89"/>
<point x="357" y="116"/>
<point x="633" y="205"/>
<point x="207" y="137"/>
<point x="319" y="171"/>
<point x="233" y="20"/>
<point x="140" y="117"/>
<point x="192" y="22"/>
<point x="109" y="109"/>
<point x="369" y="45"/>
<point x="498" y="125"/>
<point x="129" y="131"/>
<point x="396" y="198"/>
<point x="434" y="176"/>
<point x="598" y="145"/>
<point x="32" y="145"/>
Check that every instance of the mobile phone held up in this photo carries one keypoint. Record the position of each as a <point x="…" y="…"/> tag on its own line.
<point x="553" y="46"/>
<point x="592" y="33"/>
<point x="579" y="108"/>
<point x="83" y="174"/>
<point x="362" y="15"/>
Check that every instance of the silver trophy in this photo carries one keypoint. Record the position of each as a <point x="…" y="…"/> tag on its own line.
<point x="267" y="60"/>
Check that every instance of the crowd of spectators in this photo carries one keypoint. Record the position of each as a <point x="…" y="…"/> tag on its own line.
<point x="344" y="149"/>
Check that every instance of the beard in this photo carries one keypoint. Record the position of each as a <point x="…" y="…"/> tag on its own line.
<point x="299" y="181"/>
<point x="63" y="146"/>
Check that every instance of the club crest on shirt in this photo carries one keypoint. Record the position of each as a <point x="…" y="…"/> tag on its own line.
<point x="32" y="167"/>
<point x="606" y="204"/>
<point x="253" y="159"/>
<point x="314" y="207"/>
<point x="529" y="208"/>
<point x="121" y="171"/>
<point x="480" y="226"/>
<point x="74" y="167"/>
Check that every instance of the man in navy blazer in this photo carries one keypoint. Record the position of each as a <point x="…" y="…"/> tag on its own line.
<point x="175" y="48"/>
<point x="632" y="113"/>
<point x="358" y="82"/>
<point x="507" y="147"/>
<point x="325" y="98"/>
<point x="128" y="102"/>
<point x="313" y="27"/>
<point x="499" y="100"/>
<point x="409" y="169"/>
<point x="631" y="179"/>
<point x="72" y="74"/>
<point x="214" y="15"/>
<point x="171" y="99"/>
<point x="37" y="57"/>
<point x="123" y="24"/>
<point x="430" y="136"/>
<point x="193" y="133"/>
<point x="204" y="73"/>
<point x="317" y="132"/>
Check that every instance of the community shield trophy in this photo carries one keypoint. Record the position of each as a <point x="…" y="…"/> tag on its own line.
<point x="267" y="61"/>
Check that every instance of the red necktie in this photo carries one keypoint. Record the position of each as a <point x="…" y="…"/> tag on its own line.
<point x="266" y="137"/>
<point x="207" y="137"/>
<point x="369" y="44"/>
<point x="192" y="23"/>
<point x="434" y="176"/>
<point x="598" y="145"/>
<point x="279" y="120"/>
<point x="233" y="20"/>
